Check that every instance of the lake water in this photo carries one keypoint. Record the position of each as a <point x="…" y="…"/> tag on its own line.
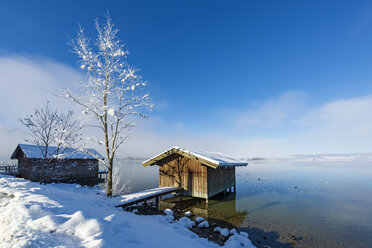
<point x="281" y="204"/>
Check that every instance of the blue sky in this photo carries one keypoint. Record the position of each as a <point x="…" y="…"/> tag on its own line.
<point x="255" y="77"/>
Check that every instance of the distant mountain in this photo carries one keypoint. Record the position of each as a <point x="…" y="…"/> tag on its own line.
<point x="332" y="157"/>
<point x="318" y="157"/>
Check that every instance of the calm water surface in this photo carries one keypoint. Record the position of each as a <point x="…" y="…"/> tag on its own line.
<point x="317" y="204"/>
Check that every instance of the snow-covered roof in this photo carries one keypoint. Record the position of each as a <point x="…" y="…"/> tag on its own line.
<point x="35" y="151"/>
<point x="212" y="159"/>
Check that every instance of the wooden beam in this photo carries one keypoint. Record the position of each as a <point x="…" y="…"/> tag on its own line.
<point x="144" y="199"/>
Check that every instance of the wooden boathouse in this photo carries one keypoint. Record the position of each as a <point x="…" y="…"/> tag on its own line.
<point x="59" y="165"/>
<point x="199" y="174"/>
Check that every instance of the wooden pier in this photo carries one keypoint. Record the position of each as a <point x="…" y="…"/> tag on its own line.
<point x="143" y="196"/>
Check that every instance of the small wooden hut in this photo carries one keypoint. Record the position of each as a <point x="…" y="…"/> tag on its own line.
<point x="60" y="164"/>
<point x="200" y="174"/>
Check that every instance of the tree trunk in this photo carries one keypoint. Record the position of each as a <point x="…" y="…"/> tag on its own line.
<point x="109" y="179"/>
<point x="42" y="172"/>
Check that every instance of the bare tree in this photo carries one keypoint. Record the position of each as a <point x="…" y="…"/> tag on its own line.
<point x="43" y="126"/>
<point x="111" y="92"/>
<point x="49" y="127"/>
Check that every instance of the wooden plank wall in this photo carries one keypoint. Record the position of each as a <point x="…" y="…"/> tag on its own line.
<point x="220" y="179"/>
<point x="57" y="170"/>
<point x="194" y="176"/>
<point x="69" y="169"/>
<point x="24" y="168"/>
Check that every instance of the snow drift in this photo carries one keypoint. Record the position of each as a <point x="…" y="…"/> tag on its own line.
<point x="65" y="215"/>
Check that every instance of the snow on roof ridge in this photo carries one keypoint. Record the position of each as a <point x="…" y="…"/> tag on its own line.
<point x="34" y="151"/>
<point x="220" y="160"/>
<point x="217" y="158"/>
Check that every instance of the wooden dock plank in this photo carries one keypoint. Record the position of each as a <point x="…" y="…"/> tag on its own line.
<point x="131" y="199"/>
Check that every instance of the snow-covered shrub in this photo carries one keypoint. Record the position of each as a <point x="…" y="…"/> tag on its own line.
<point x="238" y="241"/>
<point x="203" y="224"/>
<point x="184" y="222"/>
<point x="188" y="213"/>
<point x="168" y="211"/>
<point x="120" y="185"/>
<point x="199" y="219"/>
<point x="224" y="232"/>
<point x="244" y="234"/>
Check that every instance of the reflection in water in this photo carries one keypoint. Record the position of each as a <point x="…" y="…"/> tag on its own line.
<point x="314" y="204"/>
<point x="219" y="207"/>
<point x="260" y="238"/>
<point x="265" y="206"/>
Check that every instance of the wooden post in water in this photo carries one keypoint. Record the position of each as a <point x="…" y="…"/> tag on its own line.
<point x="157" y="202"/>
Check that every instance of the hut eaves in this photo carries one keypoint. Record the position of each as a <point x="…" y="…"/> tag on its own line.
<point x="211" y="159"/>
<point x="36" y="152"/>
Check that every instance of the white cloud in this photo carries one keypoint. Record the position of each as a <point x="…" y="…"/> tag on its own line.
<point x="273" y="111"/>
<point x="147" y="144"/>
<point x="25" y="83"/>
<point x="284" y="125"/>
<point x="9" y="138"/>
<point x="343" y="124"/>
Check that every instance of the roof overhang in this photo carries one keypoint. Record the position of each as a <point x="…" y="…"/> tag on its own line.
<point x="65" y="153"/>
<point x="15" y="153"/>
<point x="190" y="155"/>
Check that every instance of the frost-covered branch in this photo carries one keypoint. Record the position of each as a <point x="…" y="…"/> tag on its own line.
<point x="113" y="92"/>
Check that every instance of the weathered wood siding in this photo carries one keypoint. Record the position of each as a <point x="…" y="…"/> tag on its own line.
<point x="66" y="170"/>
<point x="220" y="179"/>
<point x="24" y="167"/>
<point x="58" y="170"/>
<point x="198" y="180"/>
<point x="194" y="176"/>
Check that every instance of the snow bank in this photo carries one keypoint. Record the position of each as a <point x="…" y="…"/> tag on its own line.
<point x="184" y="222"/>
<point x="68" y="215"/>
<point x="238" y="241"/>
<point x="224" y="232"/>
<point x="204" y="224"/>
<point x="199" y="219"/>
<point x="188" y="214"/>
<point x="168" y="211"/>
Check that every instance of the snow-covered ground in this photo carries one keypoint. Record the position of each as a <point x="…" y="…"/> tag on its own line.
<point x="68" y="215"/>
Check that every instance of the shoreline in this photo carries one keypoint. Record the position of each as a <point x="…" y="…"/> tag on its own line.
<point x="72" y="215"/>
<point x="258" y="237"/>
<point x="205" y="232"/>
